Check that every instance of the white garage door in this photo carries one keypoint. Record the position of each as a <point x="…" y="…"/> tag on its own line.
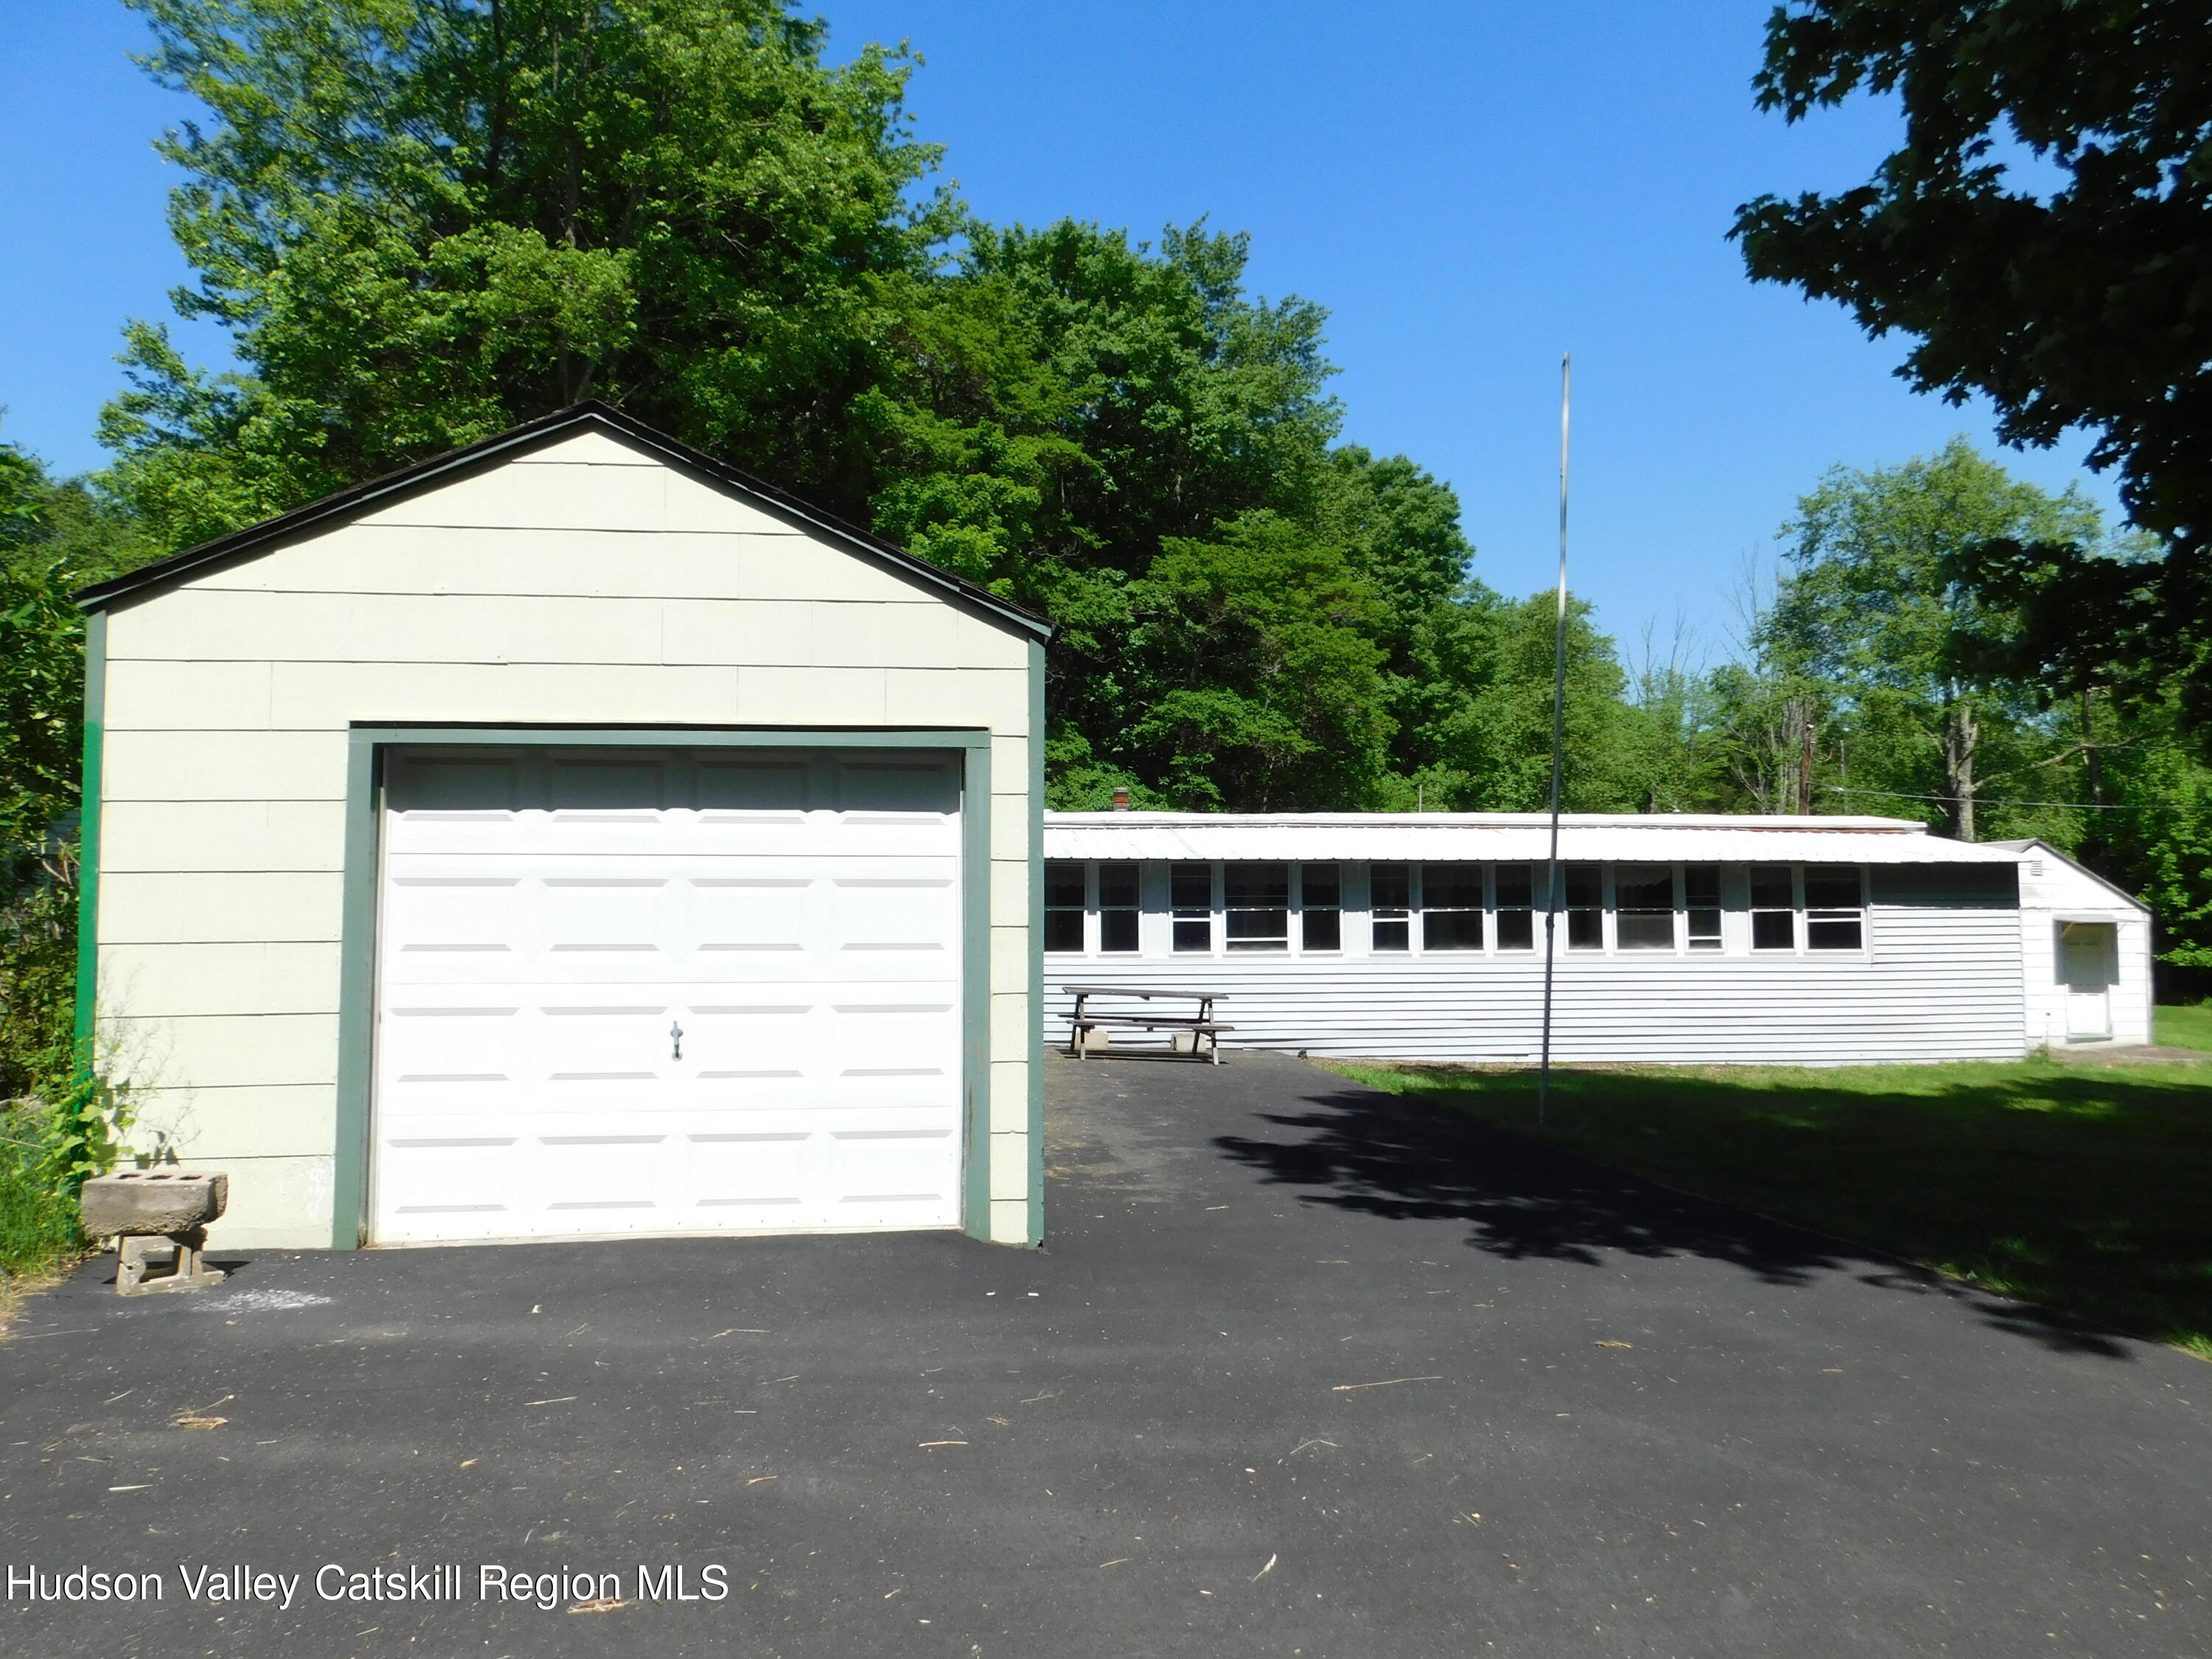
<point x="632" y="991"/>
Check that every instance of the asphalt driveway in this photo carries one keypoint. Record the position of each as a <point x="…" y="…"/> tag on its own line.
<point x="1302" y="1371"/>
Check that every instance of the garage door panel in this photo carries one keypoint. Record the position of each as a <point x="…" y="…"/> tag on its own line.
<point x="758" y="791"/>
<point x="604" y="913"/>
<point x="738" y="1045"/>
<point x="919" y="788"/>
<point x="604" y="782"/>
<point x="894" y="1167"/>
<point x="472" y="782"/>
<point x="443" y="1171"/>
<point x="560" y="1051"/>
<point x="734" y="1170"/>
<point x="601" y="1172"/>
<point x="439" y="915"/>
<point x="602" y="1043"/>
<point x="748" y="914"/>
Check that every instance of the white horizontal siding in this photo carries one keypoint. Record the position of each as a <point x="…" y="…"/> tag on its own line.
<point x="1938" y="985"/>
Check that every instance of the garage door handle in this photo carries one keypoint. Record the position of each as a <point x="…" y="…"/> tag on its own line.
<point x="675" y="1040"/>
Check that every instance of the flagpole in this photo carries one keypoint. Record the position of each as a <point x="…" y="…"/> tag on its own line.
<point x="1558" y="745"/>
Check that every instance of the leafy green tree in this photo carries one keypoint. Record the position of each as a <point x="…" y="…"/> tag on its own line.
<point x="53" y="540"/>
<point x="1867" y="606"/>
<point x="1269" y="689"/>
<point x="1500" y="742"/>
<point x="423" y="221"/>
<point x="2040" y="233"/>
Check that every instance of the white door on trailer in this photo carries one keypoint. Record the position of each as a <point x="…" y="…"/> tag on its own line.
<point x="2088" y="964"/>
<point x="647" y="992"/>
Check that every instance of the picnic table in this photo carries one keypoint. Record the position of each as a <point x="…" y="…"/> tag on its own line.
<point x="1201" y="1025"/>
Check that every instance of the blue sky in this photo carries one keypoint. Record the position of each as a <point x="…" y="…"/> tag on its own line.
<point x="1470" y="188"/>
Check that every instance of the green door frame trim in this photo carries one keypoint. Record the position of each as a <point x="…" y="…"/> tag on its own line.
<point x="87" y="834"/>
<point x="357" y="970"/>
<point x="1036" y="942"/>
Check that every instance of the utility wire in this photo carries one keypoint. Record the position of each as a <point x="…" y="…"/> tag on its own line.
<point x="2071" y="806"/>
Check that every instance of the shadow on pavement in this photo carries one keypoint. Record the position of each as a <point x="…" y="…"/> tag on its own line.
<point x="1383" y="1155"/>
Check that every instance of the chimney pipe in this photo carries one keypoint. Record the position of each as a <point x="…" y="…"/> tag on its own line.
<point x="1120" y="800"/>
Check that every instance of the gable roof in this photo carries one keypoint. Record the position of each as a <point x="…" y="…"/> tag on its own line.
<point x="591" y="414"/>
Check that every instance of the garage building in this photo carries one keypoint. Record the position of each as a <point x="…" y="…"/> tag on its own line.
<point x="568" y="837"/>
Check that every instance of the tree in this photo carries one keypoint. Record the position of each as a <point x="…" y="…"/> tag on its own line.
<point x="54" y="537"/>
<point x="1867" y="608"/>
<point x="1499" y="742"/>
<point x="424" y="220"/>
<point x="2041" y="232"/>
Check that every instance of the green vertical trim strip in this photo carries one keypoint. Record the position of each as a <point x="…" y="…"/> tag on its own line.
<point x="1036" y="811"/>
<point x="87" y="865"/>
<point x="356" y="998"/>
<point x="976" y="975"/>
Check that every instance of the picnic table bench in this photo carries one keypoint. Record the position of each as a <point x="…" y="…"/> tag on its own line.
<point x="1204" y="1029"/>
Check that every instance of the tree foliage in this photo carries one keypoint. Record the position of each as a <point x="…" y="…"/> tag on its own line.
<point x="54" y="537"/>
<point x="2041" y="233"/>
<point x="423" y="221"/>
<point x="1870" y="623"/>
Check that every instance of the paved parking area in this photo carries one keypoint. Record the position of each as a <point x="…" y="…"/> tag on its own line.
<point x="1303" y="1372"/>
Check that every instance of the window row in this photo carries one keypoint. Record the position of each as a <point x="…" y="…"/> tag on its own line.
<point x="1203" y="908"/>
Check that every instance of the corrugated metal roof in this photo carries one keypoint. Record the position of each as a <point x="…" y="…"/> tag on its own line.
<point x="1511" y="837"/>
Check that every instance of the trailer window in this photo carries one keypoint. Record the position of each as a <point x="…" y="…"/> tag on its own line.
<point x="1773" y="908"/>
<point x="1190" y="891"/>
<point x="1451" y="907"/>
<point x="1701" y="905"/>
<point x="1835" y="908"/>
<point x="1257" y="904"/>
<point x="1063" y="906"/>
<point x="1321" y="900"/>
<point x="1585" y="897"/>
<point x="1644" y="907"/>
<point x="1390" y="897"/>
<point x="1117" y="907"/>
<point x="1516" y="900"/>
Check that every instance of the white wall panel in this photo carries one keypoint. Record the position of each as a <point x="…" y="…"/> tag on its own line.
<point x="160" y="695"/>
<point x="812" y="696"/>
<point x="411" y="559"/>
<point x="209" y="624"/>
<point x="189" y="837"/>
<point x="152" y="908"/>
<point x="218" y="1051"/>
<point x="223" y="766"/>
<point x="625" y="499"/>
<point x="970" y="697"/>
<point x="328" y="695"/>
<point x="248" y="1122"/>
<point x="983" y="644"/>
<point x="138" y="981"/>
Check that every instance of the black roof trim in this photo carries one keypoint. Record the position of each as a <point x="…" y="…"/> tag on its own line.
<point x="588" y="413"/>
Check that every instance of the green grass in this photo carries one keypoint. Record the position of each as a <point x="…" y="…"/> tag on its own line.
<point x="2188" y="1027"/>
<point x="39" y="1225"/>
<point x="2080" y="1188"/>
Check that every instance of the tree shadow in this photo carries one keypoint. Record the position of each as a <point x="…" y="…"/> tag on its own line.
<point x="1401" y="1158"/>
